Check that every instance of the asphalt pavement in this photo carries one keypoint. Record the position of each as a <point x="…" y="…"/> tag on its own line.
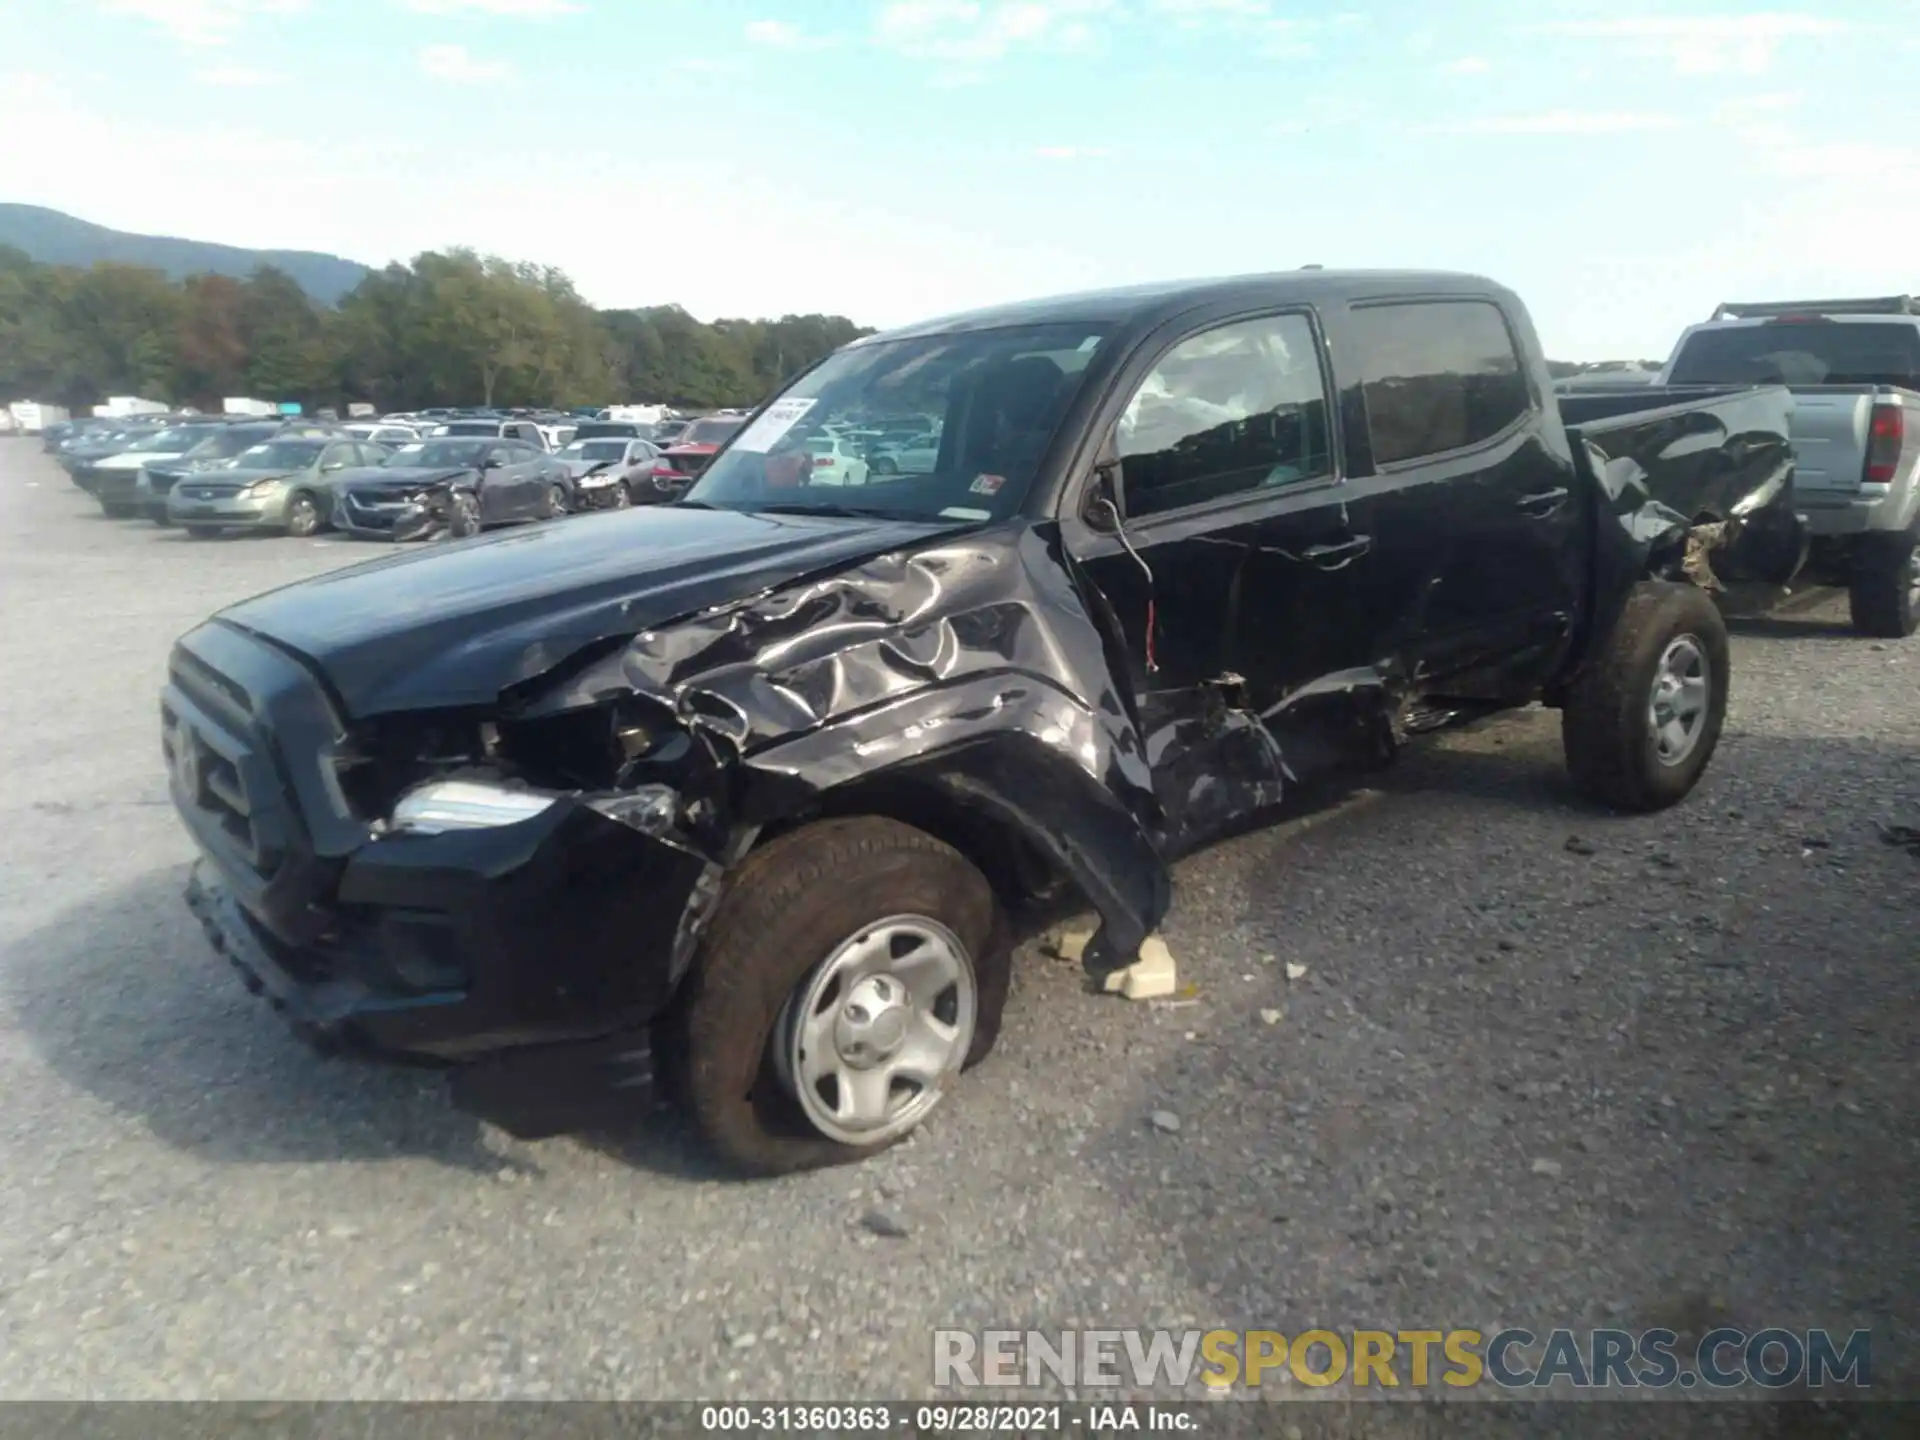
<point x="1543" y="1066"/>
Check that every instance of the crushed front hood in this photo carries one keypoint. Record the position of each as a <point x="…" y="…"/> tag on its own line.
<point x="456" y="626"/>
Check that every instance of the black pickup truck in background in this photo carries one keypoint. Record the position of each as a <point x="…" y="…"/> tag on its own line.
<point x="744" y="787"/>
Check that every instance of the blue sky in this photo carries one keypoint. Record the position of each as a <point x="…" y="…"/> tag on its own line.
<point x="1624" y="165"/>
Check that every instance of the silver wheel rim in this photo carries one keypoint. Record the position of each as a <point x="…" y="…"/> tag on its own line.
<point x="870" y="1040"/>
<point x="556" y="502"/>
<point x="1677" y="708"/>
<point x="303" y="517"/>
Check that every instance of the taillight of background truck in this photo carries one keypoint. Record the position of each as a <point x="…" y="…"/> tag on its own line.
<point x="1886" y="435"/>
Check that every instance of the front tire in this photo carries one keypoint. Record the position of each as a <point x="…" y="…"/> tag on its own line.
<point x="203" y="532"/>
<point x="116" y="509"/>
<point x="1642" y="721"/>
<point x="303" y="516"/>
<point x="854" y="967"/>
<point x="463" y="516"/>
<point x="1884" y="590"/>
<point x="556" y="505"/>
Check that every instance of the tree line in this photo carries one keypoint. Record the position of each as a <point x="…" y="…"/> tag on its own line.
<point x="449" y="328"/>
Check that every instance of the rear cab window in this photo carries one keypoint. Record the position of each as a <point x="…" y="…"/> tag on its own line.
<point x="1815" y="351"/>
<point x="1438" y="376"/>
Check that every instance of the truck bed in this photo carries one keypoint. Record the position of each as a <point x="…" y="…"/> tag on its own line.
<point x="1709" y="452"/>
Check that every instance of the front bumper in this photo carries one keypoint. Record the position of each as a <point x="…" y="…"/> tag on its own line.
<point x="115" y="486"/>
<point x="186" y="507"/>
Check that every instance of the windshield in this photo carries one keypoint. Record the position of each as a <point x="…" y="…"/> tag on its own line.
<point x="996" y="396"/>
<point x="1813" y="352"/>
<point x="437" y="454"/>
<point x="594" y="450"/>
<point x="710" y="432"/>
<point x="175" y="442"/>
<point x="228" y="441"/>
<point x="471" y="427"/>
<point x="280" y="455"/>
<point x="599" y="429"/>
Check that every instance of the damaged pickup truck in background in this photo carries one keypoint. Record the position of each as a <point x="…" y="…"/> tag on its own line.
<point x="735" y="795"/>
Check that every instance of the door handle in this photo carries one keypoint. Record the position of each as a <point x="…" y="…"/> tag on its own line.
<point x="1335" y="556"/>
<point x="1544" y="504"/>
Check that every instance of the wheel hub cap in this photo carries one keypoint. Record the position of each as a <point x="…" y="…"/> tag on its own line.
<point x="873" y="1024"/>
<point x="869" y="1040"/>
<point x="1677" y="708"/>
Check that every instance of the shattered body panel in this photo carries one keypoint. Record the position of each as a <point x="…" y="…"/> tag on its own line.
<point x="686" y="679"/>
<point x="1718" y="460"/>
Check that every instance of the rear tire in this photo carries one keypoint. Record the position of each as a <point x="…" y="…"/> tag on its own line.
<point x="203" y="532"/>
<point x="116" y="509"/>
<point x="1637" y="731"/>
<point x="1884" y="590"/>
<point x="793" y="905"/>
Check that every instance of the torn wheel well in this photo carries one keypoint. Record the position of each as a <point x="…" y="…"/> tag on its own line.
<point x="1014" y="866"/>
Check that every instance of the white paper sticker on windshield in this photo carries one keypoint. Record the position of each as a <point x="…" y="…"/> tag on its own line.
<point x="779" y="417"/>
<point x="965" y="512"/>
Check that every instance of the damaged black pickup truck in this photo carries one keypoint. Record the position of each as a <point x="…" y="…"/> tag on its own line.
<point x="741" y="789"/>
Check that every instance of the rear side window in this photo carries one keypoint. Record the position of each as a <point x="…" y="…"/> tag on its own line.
<point x="1226" y="412"/>
<point x="1438" y="375"/>
<point x="1809" y="352"/>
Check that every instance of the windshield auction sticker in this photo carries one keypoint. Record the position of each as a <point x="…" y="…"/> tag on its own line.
<point x="778" y="418"/>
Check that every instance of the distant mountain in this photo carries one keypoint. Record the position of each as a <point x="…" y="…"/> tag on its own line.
<point x="56" y="239"/>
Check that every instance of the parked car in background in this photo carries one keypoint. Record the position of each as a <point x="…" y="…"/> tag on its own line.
<point x="687" y="456"/>
<point x="158" y="477"/>
<point x="451" y="486"/>
<point x="114" y="479"/>
<point x="1853" y="367"/>
<point x="82" y="456"/>
<point x="613" y="474"/>
<point x="746" y="785"/>
<point x="525" y="431"/>
<point x="282" y="484"/>
<point x="380" y="432"/>
<point x="904" y="455"/>
<point x="835" y="463"/>
<point x="666" y="432"/>
<point x="613" y="430"/>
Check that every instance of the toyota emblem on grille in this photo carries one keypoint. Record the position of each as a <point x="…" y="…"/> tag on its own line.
<point x="186" y="765"/>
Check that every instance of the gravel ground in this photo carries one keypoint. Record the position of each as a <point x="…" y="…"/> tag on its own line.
<point x="1703" y="1021"/>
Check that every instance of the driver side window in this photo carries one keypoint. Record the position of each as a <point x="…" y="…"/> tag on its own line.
<point x="1229" y="411"/>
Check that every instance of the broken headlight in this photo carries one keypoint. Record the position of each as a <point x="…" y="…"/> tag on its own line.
<point x="442" y="805"/>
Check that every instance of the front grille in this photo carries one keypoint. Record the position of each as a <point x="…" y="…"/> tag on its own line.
<point x="207" y="739"/>
<point x="209" y="492"/>
<point x="372" y="509"/>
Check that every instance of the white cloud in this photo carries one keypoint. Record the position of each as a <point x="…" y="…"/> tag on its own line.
<point x="515" y="9"/>
<point x="1467" y="65"/>
<point x="970" y="31"/>
<point x="200" y="22"/>
<point x="1560" y="122"/>
<point x="456" y="65"/>
<point x="1705" y="44"/>
<point x="1198" y="12"/>
<point x="783" y="35"/>
<point x="1070" y="152"/>
<point x="236" y="77"/>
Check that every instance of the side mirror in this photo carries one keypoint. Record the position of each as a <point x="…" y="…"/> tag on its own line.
<point x="1103" y="515"/>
